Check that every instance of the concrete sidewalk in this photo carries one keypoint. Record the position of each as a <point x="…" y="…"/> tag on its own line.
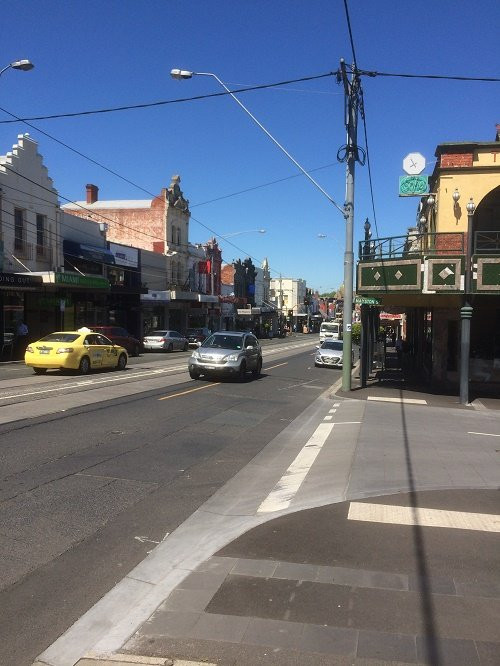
<point x="386" y="552"/>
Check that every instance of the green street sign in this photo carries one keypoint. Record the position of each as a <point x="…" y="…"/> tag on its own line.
<point x="366" y="300"/>
<point x="413" y="186"/>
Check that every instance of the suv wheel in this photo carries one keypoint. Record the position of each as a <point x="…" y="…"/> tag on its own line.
<point x="242" y="374"/>
<point x="258" y="369"/>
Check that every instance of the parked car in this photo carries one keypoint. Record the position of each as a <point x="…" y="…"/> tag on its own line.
<point x="330" y="354"/>
<point x="166" y="341"/>
<point x="81" y="350"/>
<point x="227" y="353"/>
<point x="196" y="336"/>
<point x="120" y="336"/>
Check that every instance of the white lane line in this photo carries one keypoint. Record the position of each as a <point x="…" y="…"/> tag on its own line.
<point x="275" y="366"/>
<point x="328" y="418"/>
<point x="332" y="411"/>
<point x="407" y="515"/>
<point x="336" y="404"/>
<point x="486" y="434"/>
<point x="409" y="401"/>
<point x="285" y="490"/>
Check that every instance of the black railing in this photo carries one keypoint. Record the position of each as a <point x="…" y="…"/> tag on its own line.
<point x="412" y="245"/>
<point x="487" y="241"/>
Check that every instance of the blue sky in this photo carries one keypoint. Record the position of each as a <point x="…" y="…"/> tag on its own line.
<point x="91" y="54"/>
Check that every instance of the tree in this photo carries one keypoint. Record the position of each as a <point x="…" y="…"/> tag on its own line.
<point x="356" y="334"/>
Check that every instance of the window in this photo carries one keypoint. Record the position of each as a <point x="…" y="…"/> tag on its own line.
<point x="40" y="230"/>
<point x="18" y="229"/>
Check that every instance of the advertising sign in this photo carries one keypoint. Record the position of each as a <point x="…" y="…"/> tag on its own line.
<point x="413" y="186"/>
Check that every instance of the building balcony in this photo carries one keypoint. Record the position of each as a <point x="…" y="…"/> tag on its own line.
<point x="22" y="249"/>
<point x="429" y="263"/>
<point x="43" y="253"/>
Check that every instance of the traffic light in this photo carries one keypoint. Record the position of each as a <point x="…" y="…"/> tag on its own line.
<point x="290" y="313"/>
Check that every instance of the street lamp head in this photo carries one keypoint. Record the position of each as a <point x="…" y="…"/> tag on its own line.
<point x="367" y="225"/>
<point x="471" y="207"/>
<point x="321" y="235"/>
<point x="431" y="200"/>
<point x="23" y="65"/>
<point x="456" y="196"/>
<point x="180" y="74"/>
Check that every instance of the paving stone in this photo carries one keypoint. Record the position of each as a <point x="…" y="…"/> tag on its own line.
<point x="432" y="584"/>
<point x="390" y="647"/>
<point x="273" y="633"/>
<point x="292" y="571"/>
<point x="216" y="563"/>
<point x="364" y="578"/>
<point x="478" y="589"/>
<point x="188" y="600"/>
<point x="260" y="568"/>
<point x="328" y="640"/>
<point x="489" y="653"/>
<point x="450" y="652"/>
<point x="203" y="580"/>
<point x="253" y="597"/>
<point x="170" y="623"/>
<point x="220" y="628"/>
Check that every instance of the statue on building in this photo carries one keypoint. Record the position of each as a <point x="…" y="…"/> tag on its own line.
<point x="175" y="197"/>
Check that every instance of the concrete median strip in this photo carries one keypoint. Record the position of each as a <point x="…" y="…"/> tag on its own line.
<point x="407" y="515"/>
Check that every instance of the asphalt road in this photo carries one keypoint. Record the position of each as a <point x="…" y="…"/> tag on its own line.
<point x="97" y="470"/>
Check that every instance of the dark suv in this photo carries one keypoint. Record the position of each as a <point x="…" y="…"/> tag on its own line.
<point x="196" y="336"/>
<point x="120" y="336"/>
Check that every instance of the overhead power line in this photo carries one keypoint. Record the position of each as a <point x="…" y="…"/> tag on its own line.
<point x="364" y="72"/>
<point x="148" y="105"/>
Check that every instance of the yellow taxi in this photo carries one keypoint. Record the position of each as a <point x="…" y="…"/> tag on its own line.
<point x="81" y="350"/>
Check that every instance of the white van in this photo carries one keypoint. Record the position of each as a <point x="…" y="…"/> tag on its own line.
<point x="329" y="330"/>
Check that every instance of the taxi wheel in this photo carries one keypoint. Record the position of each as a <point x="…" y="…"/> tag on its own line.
<point x="84" y="366"/>
<point x="136" y="351"/>
<point x="194" y="374"/>
<point x="122" y="362"/>
<point x="170" y="348"/>
<point x="40" y="371"/>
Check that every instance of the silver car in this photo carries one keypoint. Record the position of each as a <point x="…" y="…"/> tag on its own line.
<point x="330" y="354"/>
<point x="227" y="353"/>
<point x="166" y="341"/>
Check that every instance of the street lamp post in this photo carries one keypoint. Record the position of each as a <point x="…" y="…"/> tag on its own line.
<point x="181" y="74"/>
<point x="466" y="310"/>
<point x="23" y="65"/>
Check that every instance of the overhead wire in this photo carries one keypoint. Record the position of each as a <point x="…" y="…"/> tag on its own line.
<point x="147" y="105"/>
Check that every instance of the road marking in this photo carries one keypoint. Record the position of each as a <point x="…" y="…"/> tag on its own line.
<point x="409" y="401"/>
<point x="200" y="388"/>
<point x="407" y="515"/>
<point x="137" y="659"/>
<point x="94" y="382"/>
<point x="275" y="366"/>
<point x="329" y="417"/>
<point x="332" y="411"/>
<point x="287" y="487"/>
<point x="336" y="404"/>
<point x="486" y="434"/>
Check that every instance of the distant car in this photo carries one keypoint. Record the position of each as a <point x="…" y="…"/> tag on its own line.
<point x="166" y="341"/>
<point x="120" y="336"/>
<point x="196" y="336"/>
<point x="81" y="350"/>
<point x="330" y="354"/>
<point x="227" y="353"/>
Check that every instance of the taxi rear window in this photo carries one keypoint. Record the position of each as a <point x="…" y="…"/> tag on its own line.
<point x="60" y="337"/>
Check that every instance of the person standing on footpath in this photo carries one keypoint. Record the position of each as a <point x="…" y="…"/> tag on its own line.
<point x="21" y="339"/>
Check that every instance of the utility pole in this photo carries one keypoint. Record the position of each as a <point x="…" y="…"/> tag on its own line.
<point x="352" y="93"/>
